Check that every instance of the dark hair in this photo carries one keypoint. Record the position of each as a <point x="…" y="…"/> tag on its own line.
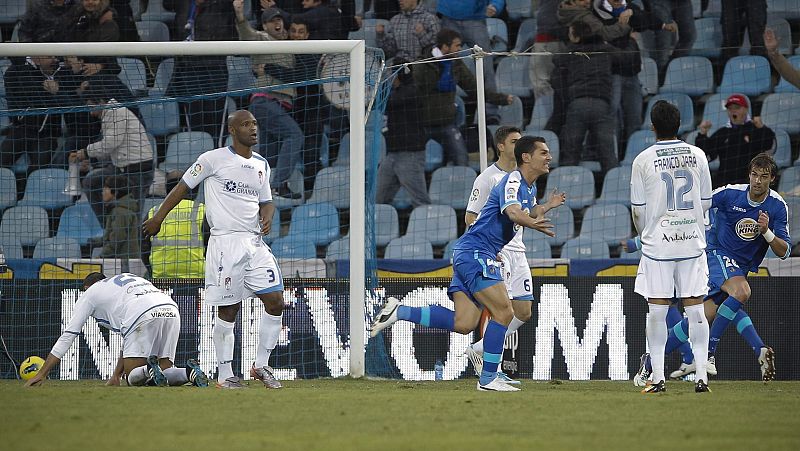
<point x="300" y="21"/>
<point x="502" y="133"/>
<point x="92" y="278"/>
<point x="118" y="185"/>
<point x="666" y="119"/>
<point x="95" y="93"/>
<point x="526" y="144"/>
<point x="581" y="30"/>
<point x="764" y="161"/>
<point x="446" y="36"/>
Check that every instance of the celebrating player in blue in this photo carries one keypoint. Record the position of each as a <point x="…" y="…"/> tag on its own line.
<point x="478" y="276"/>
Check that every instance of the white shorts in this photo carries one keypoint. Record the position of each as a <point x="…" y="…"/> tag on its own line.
<point x="668" y="279"/>
<point x="155" y="334"/>
<point x="517" y="275"/>
<point x="239" y="266"/>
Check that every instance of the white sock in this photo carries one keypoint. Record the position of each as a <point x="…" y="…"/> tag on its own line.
<point x="138" y="376"/>
<point x="515" y="324"/>
<point x="268" y="333"/>
<point x="223" y="345"/>
<point x="698" y="335"/>
<point x="657" y="334"/>
<point x="175" y="375"/>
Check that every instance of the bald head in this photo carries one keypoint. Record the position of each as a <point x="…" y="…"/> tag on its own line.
<point x="238" y="116"/>
<point x="243" y="129"/>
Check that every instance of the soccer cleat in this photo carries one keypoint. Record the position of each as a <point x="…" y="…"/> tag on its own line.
<point x="655" y="388"/>
<point x="507" y="379"/>
<point x="233" y="383"/>
<point x="701" y="387"/>
<point x="476" y="358"/>
<point x="154" y="370"/>
<point x="643" y="375"/>
<point x="265" y="374"/>
<point x="496" y="385"/>
<point x="196" y="375"/>
<point x="767" y="361"/>
<point x="683" y="370"/>
<point x="386" y="317"/>
<point x="711" y="366"/>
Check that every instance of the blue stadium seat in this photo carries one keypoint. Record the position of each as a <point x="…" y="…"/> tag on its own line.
<point x="584" y="247"/>
<point x="240" y="73"/>
<point x="789" y="180"/>
<point x="28" y="223"/>
<point x="563" y="225"/>
<point x="339" y="249"/>
<point x="576" y="181"/>
<point x="451" y="185"/>
<point x="709" y="37"/>
<point x="163" y="77"/>
<point x="785" y="86"/>
<point x="370" y="34"/>
<point x="782" y="111"/>
<point x="343" y="158"/>
<point x="161" y="118"/>
<point x="511" y="77"/>
<point x="57" y="247"/>
<point x="749" y="75"/>
<point x="690" y="75"/>
<point x="519" y="8"/>
<point x="526" y="33"/>
<point x="434" y="155"/>
<point x="535" y="244"/>
<point x="387" y="224"/>
<point x="5" y="121"/>
<point x="402" y="200"/>
<point x="616" y="186"/>
<point x="498" y="34"/>
<point x="714" y="111"/>
<point x="794" y="218"/>
<point x="45" y="188"/>
<point x="318" y="223"/>
<point x="783" y="149"/>
<point x="8" y="189"/>
<point x="782" y="30"/>
<point x="12" y="11"/>
<point x="80" y="223"/>
<point x="409" y="248"/>
<point x="293" y="247"/>
<point x="552" y="142"/>
<point x="155" y="11"/>
<point x="542" y="110"/>
<point x="152" y="31"/>
<point x="435" y="223"/>
<point x="448" y="250"/>
<point x="789" y="9"/>
<point x="183" y="149"/>
<point x="11" y="247"/>
<point x="332" y="185"/>
<point x="133" y="74"/>
<point x="648" y="76"/>
<point x="609" y="222"/>
<point x="511" y="114"/>
<point x="681" y="101"/>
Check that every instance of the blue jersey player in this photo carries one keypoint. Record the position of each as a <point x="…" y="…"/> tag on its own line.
<point x="477" y="273"/>
<point x="747" y="220"/>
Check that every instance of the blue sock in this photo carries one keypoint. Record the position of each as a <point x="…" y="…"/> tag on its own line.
<point x="431" y="316"/>
<point x="725" y="314"/>
<point x="493" y="339"/>
<point x="746" y="329"/>
<point x="679" y="336"/>
<point x="674" y="317"/>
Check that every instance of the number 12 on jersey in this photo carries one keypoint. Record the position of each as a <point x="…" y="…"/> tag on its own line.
<point x="675" y="196"/>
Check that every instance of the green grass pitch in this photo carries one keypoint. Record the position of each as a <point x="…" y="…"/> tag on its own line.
<point x="349" y="414"/>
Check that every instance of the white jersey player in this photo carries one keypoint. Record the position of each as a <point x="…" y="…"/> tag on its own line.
<point x="516" y="272"/>
<point x="239" y="209"/>
<point x="148" y="321"/>
<point x="670" y="193"/>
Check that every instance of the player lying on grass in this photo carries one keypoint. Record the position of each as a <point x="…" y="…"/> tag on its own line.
<point x="148" y="321"/>
<point x="478" y="277"/>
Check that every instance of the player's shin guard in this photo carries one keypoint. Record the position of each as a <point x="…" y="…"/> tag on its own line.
<point x="698" y="332"/>
<point x="657" y="338"/>
<point x="674" y="317"/>
<point x="492" y="350"/>
<point x="176" y="376"/>
<point x="744" y="325"/>
<point x="268" y="333"/>
<point x="725" y="314"/>
<point x="223" y="345"/>
<point x="515" y="324"/>
<point x="432" y="316"/>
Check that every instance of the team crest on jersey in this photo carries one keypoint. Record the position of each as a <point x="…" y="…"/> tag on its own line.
<point x="260" y="177"/>
<point x="230" y="186"/>
<point x="227" y="283"/>
<point x="196" y="170"/>
<point x="747" y="229"/>
<point x="475" y="193"/>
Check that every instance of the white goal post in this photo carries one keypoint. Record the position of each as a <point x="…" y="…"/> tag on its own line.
<point x="355" y="50"/>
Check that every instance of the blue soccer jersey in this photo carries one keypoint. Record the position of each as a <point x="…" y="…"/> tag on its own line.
<point x="734" y="227"/>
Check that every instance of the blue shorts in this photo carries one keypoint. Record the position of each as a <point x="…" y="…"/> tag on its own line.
<point x="721" y="267"/>
<point x="474" y="271"/>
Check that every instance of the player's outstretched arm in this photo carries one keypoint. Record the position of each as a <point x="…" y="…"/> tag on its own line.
<point x="518" y="216"/>
<point x="556" y="200"/>
<point x="41" y="376"/>
<point x="151" y="226"/>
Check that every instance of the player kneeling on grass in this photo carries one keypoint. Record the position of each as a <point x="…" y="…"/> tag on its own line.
<point x="148" y="321"/>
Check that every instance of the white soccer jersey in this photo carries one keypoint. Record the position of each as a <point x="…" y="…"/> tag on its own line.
<point x="671" y="182"/>
<point x="235" y="187"/>
<point x="117" y="303"/>
<point x="481" y="188"/>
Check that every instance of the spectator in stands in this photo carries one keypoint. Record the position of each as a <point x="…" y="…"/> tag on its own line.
<point x="272" y="107"/>
<point x="123" y="150"/>
<point x="663" y="46"/>
<point x="548" y="39"/>
<point x="33" y="83"/>
<point x="121" y="230"/>
<point x="587" y="69"/>
<point x="741" y="139"/>
<point x="94" y="22"/>
<point x="324" y="20"/>
<point x="781" y="64"/>
<point x="383" y="9"/>
<point x="178" y="250"/>
<point x="47" y="21"/>
<point x="436" y="85"/>
<point x="411" y="31"/>
<point x="404" y="163"/>
<point x="738" y="15"/>
<point x="125" y="20"/>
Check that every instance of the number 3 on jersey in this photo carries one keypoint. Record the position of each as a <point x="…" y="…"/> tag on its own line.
<point x="675" y="198"/>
